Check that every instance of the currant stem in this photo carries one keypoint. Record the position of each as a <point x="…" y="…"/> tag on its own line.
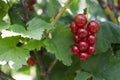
<point x="52" y="66"/>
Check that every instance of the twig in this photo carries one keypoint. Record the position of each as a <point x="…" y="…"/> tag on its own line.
<point x="26" y="11"/>
<point x="60" y="13"/>
<point x="52" y="66"/>
<point x="45" y="73"/>
<point x="41" y="65"/>
<point x="5" y="76"/>
<point x="53" y="23"/>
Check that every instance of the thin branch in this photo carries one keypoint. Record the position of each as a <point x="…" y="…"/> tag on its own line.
<point x="41" y="65"/>
<point x="53" y="23"/>
<point x="5" y="76"/>
<point x="26" y="11"/>
<point x="45" y="73"/>
<point x="60" y="13"/>
<point x="52" y="66"/>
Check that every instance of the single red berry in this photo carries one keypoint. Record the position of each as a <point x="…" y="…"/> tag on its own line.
<point x="76" y="38"/>
<point x="83" y="45"/>
<point x="80" y="20"/>
<point x="83" y="56"/>
<point x="91" y="39"/>
<point x="31" y="61"/>
<point x="75" y="50"/>
<point x="93" y="26"/>
<point x="91" y="50"/>
<point x="82" y="33"/>
<point x="73" y="27"/>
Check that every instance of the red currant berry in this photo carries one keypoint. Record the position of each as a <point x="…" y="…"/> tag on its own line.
<point x="82" y="33"/>
<point x="91" y="50"/>
<point x="91" y="39"/>
<point x="31" y="61"/>
<point x="73" y="27"/>
<point x="93" y="26"/>
<point x="76" y="38"/>
<point x="80" y="20"/>
<point x="75" y="50"/>
<point x="83" y="56"/>
<point x="83" y="45"/>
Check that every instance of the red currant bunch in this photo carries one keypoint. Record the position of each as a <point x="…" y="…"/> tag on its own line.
<point x="84" y="36"/>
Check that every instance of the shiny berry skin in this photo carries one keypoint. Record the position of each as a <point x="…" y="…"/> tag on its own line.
<point x="73" y="27"/>
<point x="31" y="61"/>
<point x="80" y="20"/>
<point x="76" y="38"/>
<point x="75" y="50"/>
<point x="91" y="39"/>
<point x="82" y="33"/>
<point x="93" y="26"/>
<point x="91" y="50"/>
<point x="83" y="45"/>
<point x="83" y="56"/>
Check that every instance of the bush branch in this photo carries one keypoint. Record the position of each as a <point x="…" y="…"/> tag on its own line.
<point x="5" y="76"/>
<point x="40" y="63"/>
<point x="52" y="66"/>
<point x="26" y="11"/>
<point x="60" y="13"/>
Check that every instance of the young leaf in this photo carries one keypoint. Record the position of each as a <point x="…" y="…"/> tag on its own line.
<point x="10" y="52"/>
<point x="60" y="44"/>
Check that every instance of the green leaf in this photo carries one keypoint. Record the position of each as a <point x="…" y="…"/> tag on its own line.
<point x="53" y="7"/>
<point x="103" y="66"/>
<point x="95" y="9"/>
<point x="60" y="44"/>
<point x="3" y="25"/>
<point x="109" y="33"/>
<point x="74" y="6"/>
<point x="10" y="52"/>
<point x="3" y="9"/>
<point x="35" y="29"/>
<point x="83" y="76"/>
<point x="33" y="44"/>
<point x="16" y="13"/>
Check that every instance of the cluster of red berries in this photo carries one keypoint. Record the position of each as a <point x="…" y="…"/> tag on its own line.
<point x="31" y="61"/>
<point x="84" y="36"/>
